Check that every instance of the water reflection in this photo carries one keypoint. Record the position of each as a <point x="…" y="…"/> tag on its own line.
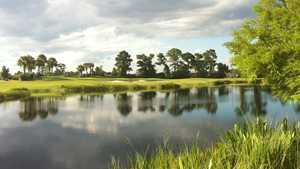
<point x="124" y="103"/>
<point x="146" y="101"/>
<point x="84" y="132"/>
<point x="258" y="105"/>
<point x="38" y="107"/>
<point x="251" y="100"/>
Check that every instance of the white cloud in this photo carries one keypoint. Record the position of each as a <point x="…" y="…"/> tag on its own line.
<point x="92" y="30"/>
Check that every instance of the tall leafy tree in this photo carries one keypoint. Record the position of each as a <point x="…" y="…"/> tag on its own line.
<point x="162" y="61"/>
<point x="22" y="62"/>
<point x="51" y="63"/>
<point x="4" y="74"/>
<point x="30" y="63"/>
<point x="182" y="70"/>
<point x="89" y="68"/>
<point x="210" y="60"/>
<point x="146" y="68"/>
<point x="199" y="64"/>
<point x="174" y="56"/>
<point x="222" y="69"/>
<point x="268" y="45"/>
<point x="41" y="62"/>
<point x="99" y="71"/>
<point x="189" y="59"/>
<point x="60" y="68"/>
<point x="27" y="63"/>
<point x="123" y="63"/>
<point x="80" y="69"/>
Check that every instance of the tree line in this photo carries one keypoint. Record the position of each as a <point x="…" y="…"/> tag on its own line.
<point x="173" y="64"/>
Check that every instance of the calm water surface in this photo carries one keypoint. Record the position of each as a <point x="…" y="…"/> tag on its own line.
<point x="84" y="132"/>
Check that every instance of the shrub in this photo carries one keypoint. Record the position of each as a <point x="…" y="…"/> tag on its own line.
<point x="91" y="89"/>
<point x="118" y="88"/>
<point x="17" y="93"/>
<point x="28" y="77"/>
<point x="138" y="87"/>
<point x="1" y="97"/>
<point x="168" y="86"/>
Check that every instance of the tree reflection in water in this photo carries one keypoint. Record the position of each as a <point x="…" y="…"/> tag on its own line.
<point x="252" y="100"/>
<point x="145" y="101"/>
<point x="244" y="107"/>
<point x="124" y="103"/>
<point x="43" y="107"/>
<point x="258" y="105"/>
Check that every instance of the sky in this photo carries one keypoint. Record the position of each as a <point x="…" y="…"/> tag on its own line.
<point x="79" y="31"/>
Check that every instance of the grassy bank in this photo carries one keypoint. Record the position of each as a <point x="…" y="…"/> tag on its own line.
<point x="253" y="146"/>
<point x="57" y="86"/>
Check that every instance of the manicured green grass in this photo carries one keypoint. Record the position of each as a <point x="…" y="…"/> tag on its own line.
<point x="56" y="85"/>
<point x="252" y="146"/>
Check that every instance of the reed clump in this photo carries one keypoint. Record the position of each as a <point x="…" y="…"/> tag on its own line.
<point x="253" y="145"/>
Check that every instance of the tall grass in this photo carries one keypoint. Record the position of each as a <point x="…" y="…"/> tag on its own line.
<point x="255" y="145"/>
<point x="15" y="94"/>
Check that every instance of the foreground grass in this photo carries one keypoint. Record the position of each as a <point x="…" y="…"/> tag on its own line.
<point x="252" y="146"/>
<point x="56" y="86"/>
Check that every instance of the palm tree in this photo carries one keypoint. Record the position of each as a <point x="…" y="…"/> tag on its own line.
<point x="51" y="63"/>
<point x="22" y="63"/>
<point x="89" y="66"/>
<point x="80" y="69"/>
<point x="41" y="62"/>
<point x="30" y="63"/>
<point x="61" y="68"/>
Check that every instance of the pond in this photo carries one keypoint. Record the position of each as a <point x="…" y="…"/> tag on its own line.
<point x="85" y="132"/>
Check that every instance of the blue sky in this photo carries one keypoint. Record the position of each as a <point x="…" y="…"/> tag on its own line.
<point x="95" y="31"/>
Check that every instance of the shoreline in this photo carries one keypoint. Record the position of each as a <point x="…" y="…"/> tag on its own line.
<point x="14" y="90"/>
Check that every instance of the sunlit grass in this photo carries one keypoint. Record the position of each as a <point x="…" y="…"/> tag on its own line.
<point x="252" y="146"/>
<point x="58" y="85"/>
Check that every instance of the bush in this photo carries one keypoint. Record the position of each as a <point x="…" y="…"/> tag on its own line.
<point x="1" y="97"/>
<point x="138" y="87"/>
<point x="28" y="77"/>
<point x="91" y="89"/>
<point x="169" y="86"/>
<point x="17" y="93"/>
<point x="118" y="88"/>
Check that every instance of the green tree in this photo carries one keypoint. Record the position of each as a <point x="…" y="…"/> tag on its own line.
<point x="51" y="63"/>
<point x="189" y="59"/>
<point x="27" y="63"/>
<point x="41" y="62"/>
<point x="123" y="64"/>
<point x="99" y="71"/>
<point x="174" y="56"/>
<point x="80" y="69"/>
<point x="146" y="68"/>
<point x="4" y="73"/>
<point x="162" y="61"/>
<point x="89" y="68"/>
<point x="22" y="62"/>
<point x="222" y="69"/>
<point x="182" y="70"/>
<point x="210" y="59"/>
<point x="199" y="65"/>
<point x="114" y="72"/>
<point x="60" y="68"/>
<point x="268" y="45"/>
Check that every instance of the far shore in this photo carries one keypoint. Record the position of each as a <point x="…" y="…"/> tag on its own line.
<point x="61" y="86"/>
